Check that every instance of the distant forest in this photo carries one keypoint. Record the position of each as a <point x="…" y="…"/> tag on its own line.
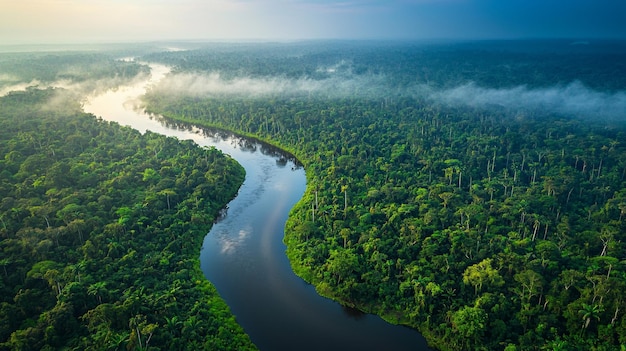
<point x="474" y="191"/>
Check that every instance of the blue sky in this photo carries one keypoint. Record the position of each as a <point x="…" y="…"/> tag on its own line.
<point x="65" y="21"/>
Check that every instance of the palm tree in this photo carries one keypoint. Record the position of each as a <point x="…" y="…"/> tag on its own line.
<point x="173" y="325"/>
<point x="97" y="289"/>
<point x="590" y="312"/>
<point x="118" y="340"/>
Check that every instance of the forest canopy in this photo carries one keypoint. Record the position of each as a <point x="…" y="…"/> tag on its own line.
<point x="101" y="228"/>
<point x="474" y="191"/>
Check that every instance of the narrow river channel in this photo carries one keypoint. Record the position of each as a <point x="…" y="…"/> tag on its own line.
<point x="244" y="256"/>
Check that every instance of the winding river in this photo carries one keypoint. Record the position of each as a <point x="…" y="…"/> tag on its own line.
<point x="243" y="255"/>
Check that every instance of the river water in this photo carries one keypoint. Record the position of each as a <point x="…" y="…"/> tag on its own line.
<point x="244" y="256"/>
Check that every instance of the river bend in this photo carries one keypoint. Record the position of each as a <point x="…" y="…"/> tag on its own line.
<point x="244" y="256"/>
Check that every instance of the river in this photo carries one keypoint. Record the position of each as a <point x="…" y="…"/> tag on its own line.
<point x="244" y="256"/>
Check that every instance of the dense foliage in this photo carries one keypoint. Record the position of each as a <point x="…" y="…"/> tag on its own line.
<point x="483" y="227"/>
<point x="100" y="232"/>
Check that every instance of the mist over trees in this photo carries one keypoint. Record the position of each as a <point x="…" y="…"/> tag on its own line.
<point x="78" y="72"/>
<point x="485" y="226"/>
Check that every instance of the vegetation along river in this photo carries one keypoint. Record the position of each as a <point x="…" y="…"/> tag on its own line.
<point x="244" y="256"/>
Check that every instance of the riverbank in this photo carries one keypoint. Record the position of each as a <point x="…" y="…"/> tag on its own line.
<point x="111" y="261"/>
<point x="295" y="263"/>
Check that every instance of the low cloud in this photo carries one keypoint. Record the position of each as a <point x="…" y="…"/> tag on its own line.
<point x="339" y="81"/>
<point x="574" y="99"/>
<point x="7" y="78"/>
<point x="17" y="87"/>
<point x="68" y="94"/>
<point x="213" y="84"/>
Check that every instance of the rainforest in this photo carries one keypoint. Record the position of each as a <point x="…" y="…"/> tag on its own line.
<point x="474" y="191"/>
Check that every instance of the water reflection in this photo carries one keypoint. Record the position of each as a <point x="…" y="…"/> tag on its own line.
<point x="229" y="244"/>
<point x="353" y="313"/>
<point x="244" y="256"/>
<point x="245" y="144"/>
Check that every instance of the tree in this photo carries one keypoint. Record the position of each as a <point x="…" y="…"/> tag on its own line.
<point x="344" y="190"/>
<point x="141" y="331"/>
<point x="48" y="270"/>
<point x="168" y="194"/>
<point x="446" y="197"/>
<point x="589" y="312"/>
<point x="77" y="226"/>
<point x="342" y="264"/>
<point x="345" y="234"/>
<point x="531" y="284"/>
<point x="97" y="289"/>
<point x="470" y="323"/>
<point x="4" y="262"/>
<point x="173" y="325"/>
<point x="480" y="273"/>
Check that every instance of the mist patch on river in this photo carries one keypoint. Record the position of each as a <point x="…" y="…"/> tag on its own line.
<point x="68" y="93"/>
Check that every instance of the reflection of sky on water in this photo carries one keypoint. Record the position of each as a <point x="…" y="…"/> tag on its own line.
<point x="229" y="243"/>
<point x="280" y="187"/>
<point x="120" y="105"/>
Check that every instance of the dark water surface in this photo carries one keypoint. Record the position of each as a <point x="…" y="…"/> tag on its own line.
<point x="243" y="255"/>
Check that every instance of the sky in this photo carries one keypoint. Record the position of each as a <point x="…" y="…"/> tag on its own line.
<point x="95" y="21"/>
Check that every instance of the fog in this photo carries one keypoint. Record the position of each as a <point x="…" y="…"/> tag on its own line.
<point x="214" y="84"/>
<point x="572" y="100"/>
<point x="338" y="81"/>
<point x="16" y="87"/>
<point x="77" y="88"/>
<point x="68" y="95"/>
